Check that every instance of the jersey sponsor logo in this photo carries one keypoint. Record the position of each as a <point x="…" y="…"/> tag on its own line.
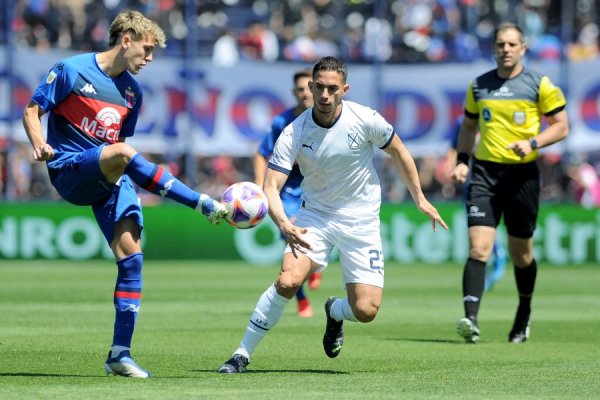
<point x="106" y="125"/>
<point x="88" y="88"/>
<point x="474" y="211"/>
<point x="519" y="117"/>
<point x="503" y="92"/>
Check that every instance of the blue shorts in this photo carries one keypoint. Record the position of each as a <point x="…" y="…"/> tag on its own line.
<point x="78" y="179"/>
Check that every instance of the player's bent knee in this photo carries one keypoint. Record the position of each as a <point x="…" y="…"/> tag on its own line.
<point x="365" y="313"/>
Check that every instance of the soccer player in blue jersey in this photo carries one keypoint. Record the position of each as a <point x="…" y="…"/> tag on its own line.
<point x="93" y="104"/>
<point x="291" y="193"/>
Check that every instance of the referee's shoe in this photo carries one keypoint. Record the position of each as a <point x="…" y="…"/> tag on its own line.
<point x="520" y="330"/>
<point x="468" y="330"/>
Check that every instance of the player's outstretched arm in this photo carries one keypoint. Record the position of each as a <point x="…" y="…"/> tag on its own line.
<point x="32" y="123"/>
<point x="408" y="171"/>
<point x="274" y="181"/>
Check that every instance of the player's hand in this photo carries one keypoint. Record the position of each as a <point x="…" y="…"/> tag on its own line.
<point x="428" y="209"/>
<point x="295" y="238"/>
<point x="460" y="173"/>
<point x="44" y="152"/>
<point x="521" y="148"/>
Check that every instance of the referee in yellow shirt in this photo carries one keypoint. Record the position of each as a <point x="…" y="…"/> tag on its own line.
<point x="506" y="106"/>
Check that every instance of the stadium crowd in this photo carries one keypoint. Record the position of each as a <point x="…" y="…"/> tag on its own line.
<point x="359" y="31"/>
<point x="393" y="31"/>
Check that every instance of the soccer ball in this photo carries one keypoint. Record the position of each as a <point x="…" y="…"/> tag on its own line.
<point x="246" y="204"/>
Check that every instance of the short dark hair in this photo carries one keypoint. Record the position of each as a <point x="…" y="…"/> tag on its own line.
<point x="329" y="63"/>
<point x="303" y="73"/>
<point x="509" y="25"/>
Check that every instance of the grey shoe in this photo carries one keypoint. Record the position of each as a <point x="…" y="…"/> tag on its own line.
<point x="468" y="330"/>
<point x="235" y="365"/>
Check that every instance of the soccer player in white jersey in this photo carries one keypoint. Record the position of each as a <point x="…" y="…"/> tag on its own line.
<point x="333" y="143"/>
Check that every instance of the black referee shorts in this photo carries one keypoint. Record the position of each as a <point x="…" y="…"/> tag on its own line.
<point x="509" y="191"/>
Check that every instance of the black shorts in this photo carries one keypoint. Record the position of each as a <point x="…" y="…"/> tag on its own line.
<point x="498" y="190"/>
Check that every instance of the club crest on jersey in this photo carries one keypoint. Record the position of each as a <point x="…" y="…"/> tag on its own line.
<point x="353" y="141"/>
<point x="129" y="98"/>
<point x="519" y="117"/>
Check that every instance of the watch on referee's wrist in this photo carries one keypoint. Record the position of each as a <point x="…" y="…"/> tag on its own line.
<point x="534" y="144"/>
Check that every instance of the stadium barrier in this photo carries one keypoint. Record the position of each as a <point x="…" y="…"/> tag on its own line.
<point x="566" y="235"/>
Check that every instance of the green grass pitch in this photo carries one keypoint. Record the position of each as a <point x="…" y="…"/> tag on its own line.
<point x="56" y="326"/>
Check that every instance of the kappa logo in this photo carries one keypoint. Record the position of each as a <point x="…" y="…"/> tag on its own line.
<point x="88" y="88"/>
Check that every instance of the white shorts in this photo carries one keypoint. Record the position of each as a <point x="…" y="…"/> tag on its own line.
<point x="358" y="242"/>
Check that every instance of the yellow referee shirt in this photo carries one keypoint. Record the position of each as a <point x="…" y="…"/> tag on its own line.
<point x="509" y="110"/>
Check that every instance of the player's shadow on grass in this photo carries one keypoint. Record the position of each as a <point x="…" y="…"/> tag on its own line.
<point x="43" y="375"/>
<point x="425" y="340"/>
<point x="270" y="371"/>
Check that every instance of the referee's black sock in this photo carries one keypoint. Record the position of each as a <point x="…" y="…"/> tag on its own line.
<point x="473" y="286"/>
<point x="525" y="279"/>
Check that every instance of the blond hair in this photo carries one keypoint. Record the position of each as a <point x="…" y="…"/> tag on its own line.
<point x="135" y="23"/>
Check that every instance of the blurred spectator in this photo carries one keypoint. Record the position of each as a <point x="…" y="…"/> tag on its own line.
<point x="396" y="31"/>
<point x="586" y="181"/>
<point x="586" y="46"/>
<point x="257" y="42"/>
<point x="225" y="51"/>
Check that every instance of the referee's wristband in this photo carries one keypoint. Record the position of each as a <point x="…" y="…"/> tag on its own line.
<point x="462" y="158"/>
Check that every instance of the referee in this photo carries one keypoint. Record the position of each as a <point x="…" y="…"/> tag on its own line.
<point x="506" y="106"/>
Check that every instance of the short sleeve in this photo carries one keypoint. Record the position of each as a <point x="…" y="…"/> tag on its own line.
<point x="382" y="131"/>
<point x="551" y="97"/>
<point x="54" y="88"/>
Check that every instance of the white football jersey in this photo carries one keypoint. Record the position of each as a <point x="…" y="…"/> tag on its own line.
<point x="337" y="162"/>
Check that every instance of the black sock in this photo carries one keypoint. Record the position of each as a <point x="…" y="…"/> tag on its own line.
<point x="525" y="279"/>
<point x="473" y="286"/>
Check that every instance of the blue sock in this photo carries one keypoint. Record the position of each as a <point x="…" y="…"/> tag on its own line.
<point x="127" y="297"/>
<point x="155" y="179"/>
<point x="300" y="293"/>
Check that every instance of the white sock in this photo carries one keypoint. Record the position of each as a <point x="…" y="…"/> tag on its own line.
<point x="340" y="310"/>
<point x="116" y="350"/>
<point x="200" y="200"/>
<point x="266" y="314"/>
